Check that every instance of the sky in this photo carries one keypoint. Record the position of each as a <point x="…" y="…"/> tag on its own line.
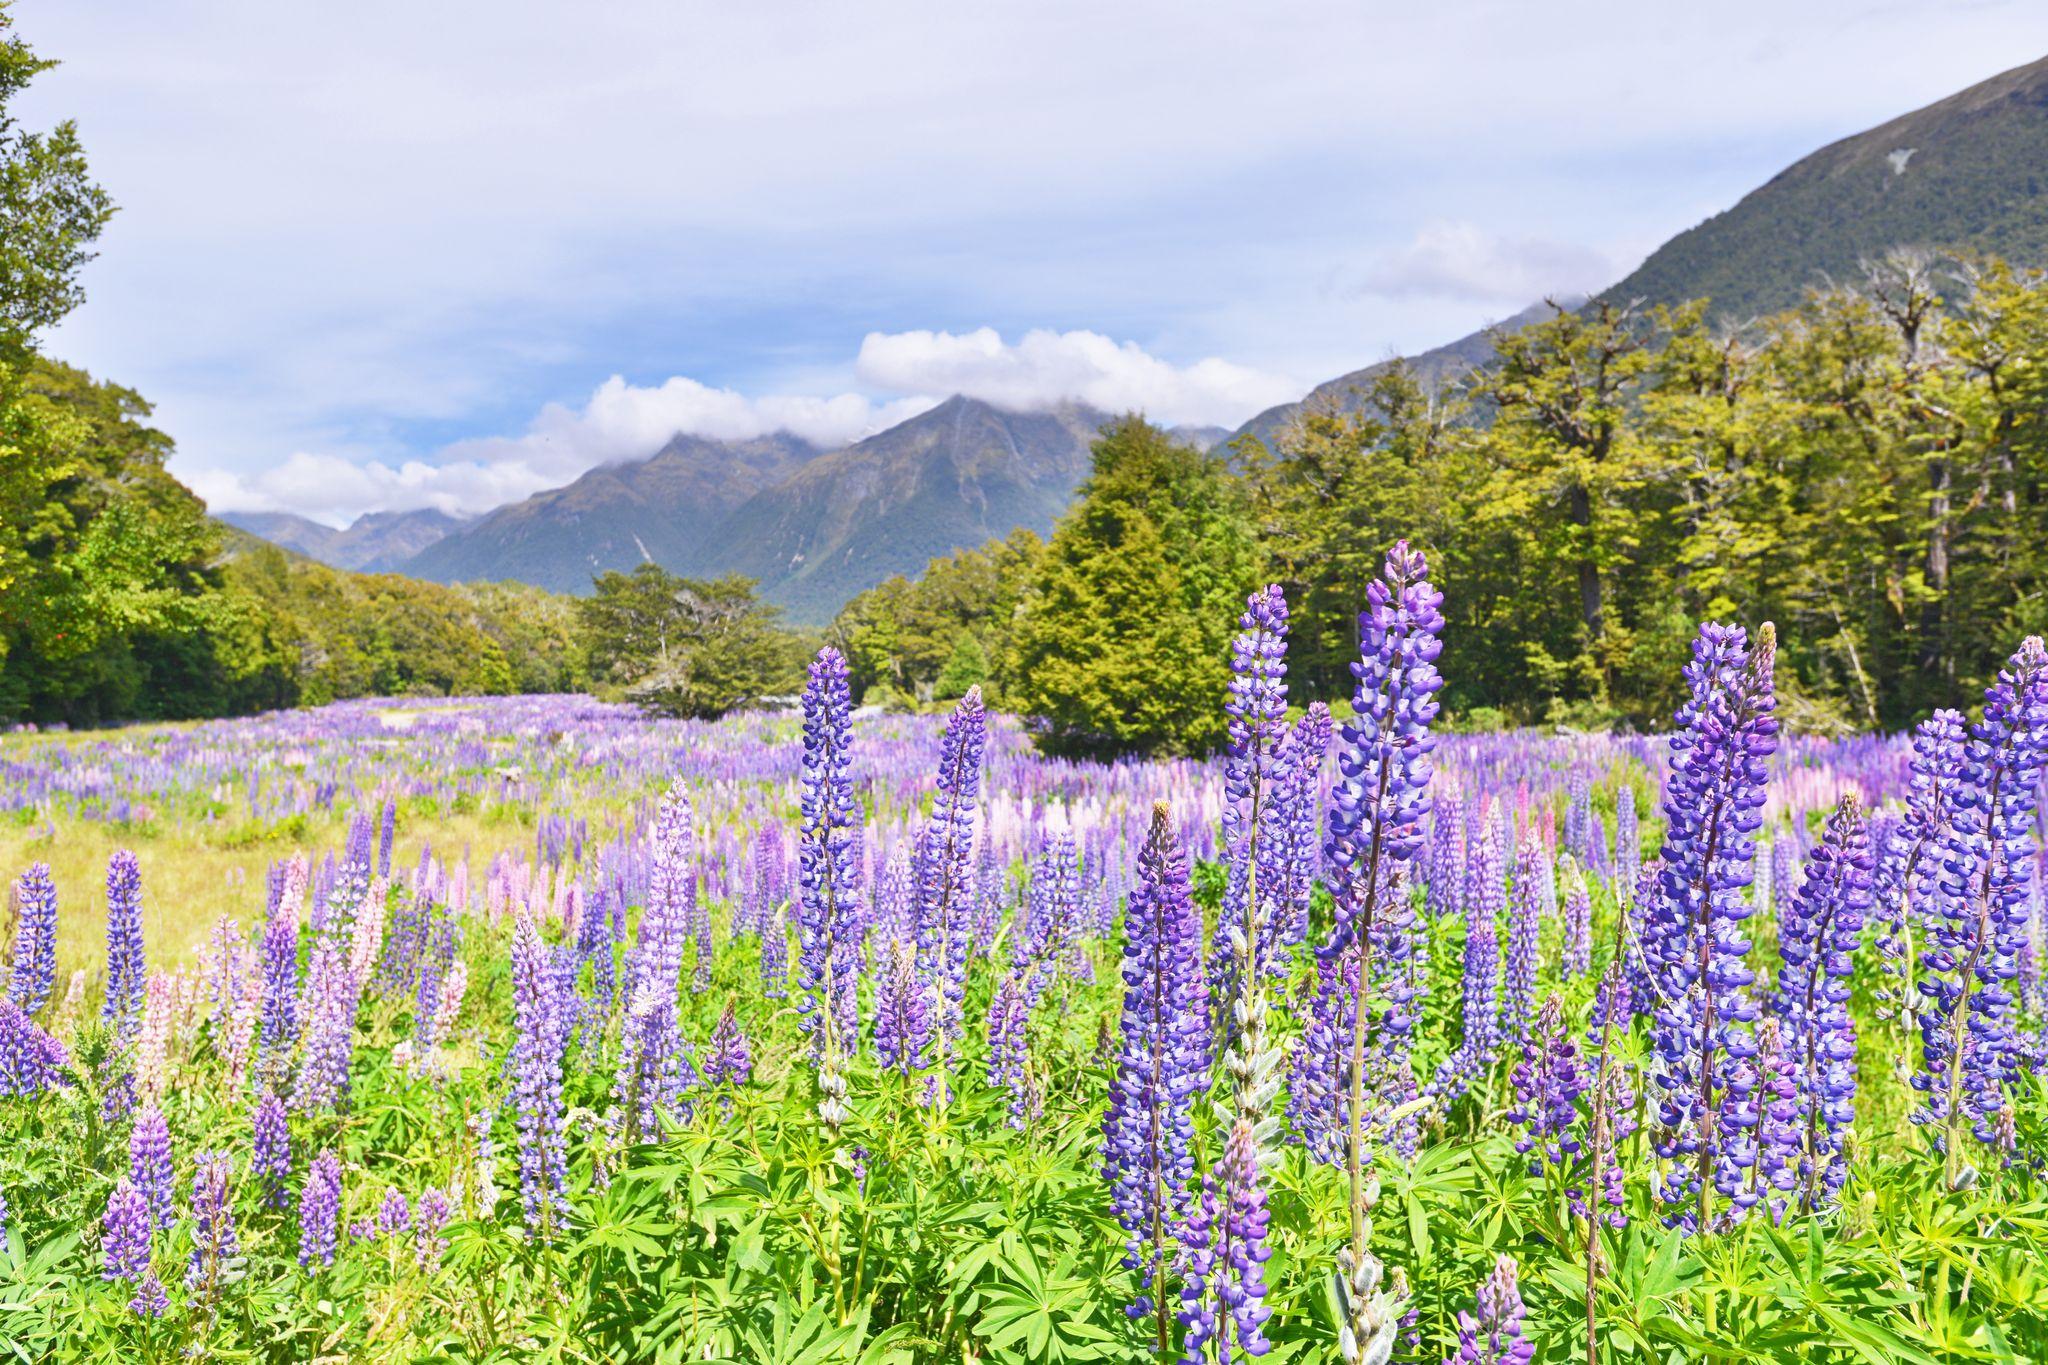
<point x="443" y="253"/>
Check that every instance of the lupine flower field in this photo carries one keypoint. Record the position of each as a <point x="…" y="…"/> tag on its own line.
<point x="530" y="1029"/>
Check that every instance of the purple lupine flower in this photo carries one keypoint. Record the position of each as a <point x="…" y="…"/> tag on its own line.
<point x="1317" y="1084"/>
<point x="1628" y="839"/>
<point x="774" y="955"/>
<point x="149" y="1165"/>
<point x="828" y="857"/>
<point x="430" y="1216"/>
<point x="728" y="1060"/>
<point x="1009" y="1049"/>
<point x="31" y="1061"/>
<point x="320" y="1210"/>
<point x="595" y="945"/>
<point x="990" y="886"/>
<point x="1817" y="937"/>
<point x="1577" y="956"/>
<point x="126" y="970"/>
<point x="1698" y="955"/>
<point x="271" y="1149"/>
<point x="944" y="872"/>
<point x="394" y="1213"/>
<point x="537" y="1078"/>
<point x="1223" y="1301"/>
<point x="214" y="1243"/>
<point x="1970" y="1046"/>
<point x="1774" y="1095"/>
<point x="1446" y="856"/>
<point x="1049" y="939"/>
<point x="387" y="831"/>
<point x="34" y="970"/>
<point x="1905" y="894"/>
<point x="324" y="1078"/>
<point x="1299" y="849"/>
<point x="125" y="1231"/>
<point x="1492" y="1334"/>
<point x="1578" y="816"/>
<point x="149" y="1300"/>
<point x="1162" y="1064"/>
<point x="903" y="1011"/>
<point x="1525" y="925"/>
<point x="1548" y="1082"/>
<point x="1253" y="773"/>
<point x="1378" y="806"/>
<point x="277" y="1016"/>
<point x="1479" y="980"/>
<point x="653" y="1073"/>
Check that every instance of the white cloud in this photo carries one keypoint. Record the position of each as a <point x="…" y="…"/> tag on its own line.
<point x="621" y="421"/>
<point x="1045" y="367"/>
<point x="1461" y="260"/>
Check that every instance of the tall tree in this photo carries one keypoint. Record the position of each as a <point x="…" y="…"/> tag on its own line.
<point x="685" y="647"/>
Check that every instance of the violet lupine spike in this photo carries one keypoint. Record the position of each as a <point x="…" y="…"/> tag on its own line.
<point x="1492" y="1334"/>
<point x="944" y="873"/>
<point x="149" y="1165"/>
<point x="1548" y="1082"/>
<point x="214" y="1240"/>
<point x="1818" y="933"/>
<point x="1223" y="1302"/>
<point x="31" y="1061"/>
<point x="1479" y="1040"/>
<point x="537" y="1079"/>
<point x="324" y="1074"/>
<point x="394" y="1213"/>
<point x="271" y="1150"/>
<point x="1255" y="774"/>
<point x="1009" y="1049"/>
<point x="828" y="855"/>
<point x="1317" y="1085"/>
<point x="903" y="1011"/>
<point x="1576" y="959"/>
<point x="1525" y="926"/>
<point x="1774" y="1095"/>
<point x="125" y="1231"/>
<point x="653" y="1072"/>
<point x="126" y="970"/>
<point x="1628" y="839"/>
<point x="728" y="1060"/>
<point x="320" y="1211"/>
<point x="430" y="1216"/>
<point x="1446" y="856"/>
<point x="1049" y="939"/>
<point x="1971" y="1048"/>
<point x="34" y="969"/>
<point x="775" y="955"/>
<point x="1697" y="955"/>
<point x="277" y="1016"/>
<point x="1300" y="847"/>
<point x="1162" y="1065"/>
<point x="1377" y="809"/>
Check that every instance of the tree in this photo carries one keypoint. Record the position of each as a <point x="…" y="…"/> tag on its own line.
<point x="1122" y="641"/>
<point x="966" y="667"/>
<point x="684" y="647"/>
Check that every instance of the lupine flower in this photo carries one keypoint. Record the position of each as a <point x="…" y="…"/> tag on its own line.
<point x="903" y="1006"/>
<point x="774" y="956"/>
<point x="1971" y="1050"/>
<point x="126" y="970"/>
<point x="1817" y="937"/>
<point x="1009" y="1049"/>
<point x="1548" y="1082"/>
<point x="1446" y="855"/>
<point x="653" y="1071"/>
<point x="277" y="1018"/>
<point x="430" y="1216"/>
<point x="1299" y="854"/>
<point x="1525" y="925"/>
<point x="1479" y="980"/>
<point x="944" y="872"/>
<point x="728" y="1060"/>
<point x="320" y="1210"/>
<point x="828" y="850"/>
<point x="1578" y="817"/>
<point x="537" y="1077"/>
<point x="1318" y="1086"/>
<point x="31" y="1061"/>
<point x="271" y="1149"/>
<point x="394" y="1214"/>
<point x="149" y="1164"/>
<point x="1161" y="1066"/>
<point x="1775" y="1098"/>
<point x="1698" y="956"/>
<point x="1577" y="957"/>
<point x="149" y="1300"/>
<point x="1628" y="847"/>
<point x="214" y="1243"/>
<point x="1377" y="810"/>
<point x="1492" y="1333"/>
<point x="34" y="971"/>
<point x="125" y="1231"/>
<point x="1049" y="938"/>
<point x="324" y="1077"/>
<point x="1223" y="1301"/>
<point x="1253" y="774"/>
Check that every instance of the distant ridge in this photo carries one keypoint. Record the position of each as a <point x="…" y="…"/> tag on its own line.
<point x="375" y="542"/>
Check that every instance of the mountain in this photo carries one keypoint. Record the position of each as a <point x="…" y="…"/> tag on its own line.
<point x="375" y="542"/>
<point x="664" y="508"/>
<point x="1968" y="172"/>
<point x="945" y="480"/>
<point x="1347" y="392"/>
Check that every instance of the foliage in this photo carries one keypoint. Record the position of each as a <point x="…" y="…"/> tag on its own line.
<point x="907" y="636"/>
<point x="1121" y="639"/>
<point x="681" y="646"/>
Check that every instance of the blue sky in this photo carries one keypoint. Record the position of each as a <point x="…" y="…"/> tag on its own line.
<point x="448" y="253"/>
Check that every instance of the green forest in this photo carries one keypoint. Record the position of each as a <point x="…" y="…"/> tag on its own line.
<point x="1865" y="470"/>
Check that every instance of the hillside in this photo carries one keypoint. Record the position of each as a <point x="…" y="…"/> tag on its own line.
<point x="956" y="476"/>
<point x="664" y="508"/>
<point x="375" y="542"/>
<point x="1969" y="172"/>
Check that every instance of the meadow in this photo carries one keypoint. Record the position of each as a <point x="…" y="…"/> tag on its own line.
<point x="533" y="1028"/>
